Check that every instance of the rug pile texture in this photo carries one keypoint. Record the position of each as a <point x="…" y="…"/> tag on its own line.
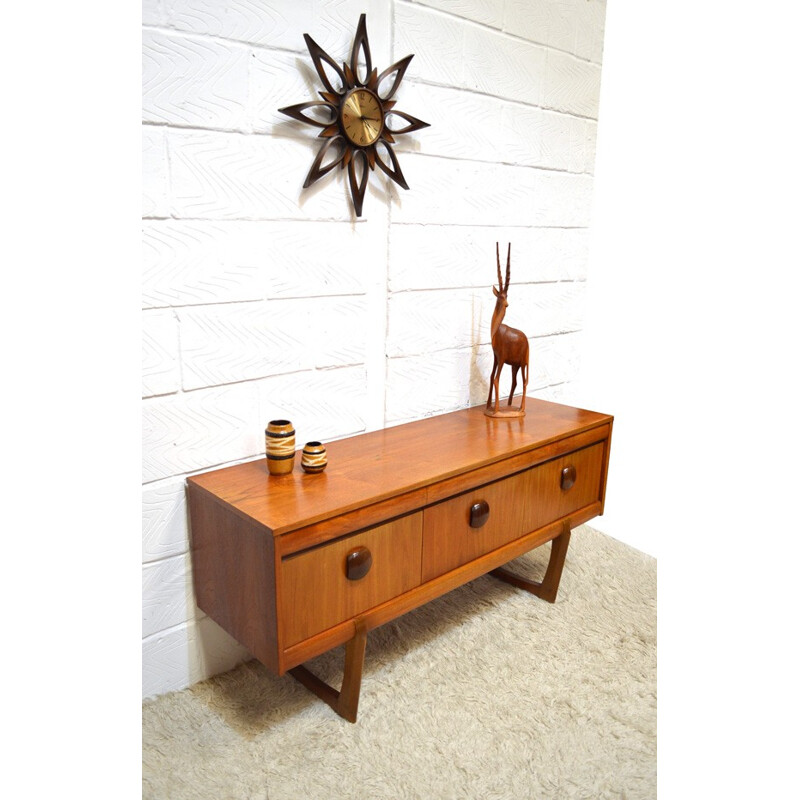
<point x="487" y="692"/>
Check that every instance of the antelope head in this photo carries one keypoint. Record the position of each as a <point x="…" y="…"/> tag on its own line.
<point x="501" y="291"/>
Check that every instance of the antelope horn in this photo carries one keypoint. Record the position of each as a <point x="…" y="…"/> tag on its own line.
<point x="508" y="266"/>
<point x="499" y="274"/>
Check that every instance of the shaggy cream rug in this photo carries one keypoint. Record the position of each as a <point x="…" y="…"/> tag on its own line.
<point x="487" y="692"/>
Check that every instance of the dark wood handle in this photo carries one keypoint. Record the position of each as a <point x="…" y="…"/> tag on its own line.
<point x="358" y="563"/>
<point x="568" y="475"/>
<point x="479" y="514"/>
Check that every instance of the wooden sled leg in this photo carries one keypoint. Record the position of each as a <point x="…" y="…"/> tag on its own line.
<point x="345" y="701"/>
<point x="548" y="588"/>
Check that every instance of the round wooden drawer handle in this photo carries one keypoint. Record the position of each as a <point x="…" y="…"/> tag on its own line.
<point x="568" y="475"/>
<point x="479" y="514"/>
<point x="358" y="563"/>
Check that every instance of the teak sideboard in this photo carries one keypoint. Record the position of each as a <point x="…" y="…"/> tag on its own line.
<point x="294" y="565"/>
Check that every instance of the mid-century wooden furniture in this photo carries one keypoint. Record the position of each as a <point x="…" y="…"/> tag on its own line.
<point x="294" y="565"/>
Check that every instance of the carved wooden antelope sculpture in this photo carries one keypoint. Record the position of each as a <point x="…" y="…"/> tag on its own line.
<point x="510" y="347"/>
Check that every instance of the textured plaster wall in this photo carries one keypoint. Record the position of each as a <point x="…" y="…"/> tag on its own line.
<point x="263" y="300"/>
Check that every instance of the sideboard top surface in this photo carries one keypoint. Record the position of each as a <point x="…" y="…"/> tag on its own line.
<point x="372" y="467"/>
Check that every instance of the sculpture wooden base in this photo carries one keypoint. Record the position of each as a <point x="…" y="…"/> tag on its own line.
<point x="508" y="412"/>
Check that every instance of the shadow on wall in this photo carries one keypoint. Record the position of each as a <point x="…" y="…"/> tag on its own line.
<point x="478" y="381"/>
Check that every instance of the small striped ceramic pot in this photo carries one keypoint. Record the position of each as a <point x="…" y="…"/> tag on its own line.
<point x="314" y="458"/>
<point x="279" y="440"/>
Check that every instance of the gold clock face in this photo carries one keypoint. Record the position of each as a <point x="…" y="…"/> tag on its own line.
<point x="362" y="117"/>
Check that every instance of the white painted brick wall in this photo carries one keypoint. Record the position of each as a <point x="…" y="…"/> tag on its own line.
<point x="502" y="65"/>
<point x="444" y="256"/>
<point x="160" y="362"/>
<point x="571" y="85"/>
<point x="155" y="173"/>
<point x="263" y="300"/>
<point x="164" y="520"/>
<point x="189" y="80"/>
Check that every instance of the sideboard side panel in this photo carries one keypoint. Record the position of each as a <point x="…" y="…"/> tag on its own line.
<point x="606" y="459"/>
<point x="233" y="564"/>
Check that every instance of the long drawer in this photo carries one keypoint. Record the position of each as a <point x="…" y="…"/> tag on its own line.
<point x="454" y="534"/>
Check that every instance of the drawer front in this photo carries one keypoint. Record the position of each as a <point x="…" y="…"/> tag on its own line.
<point x="316" y="592"/>
<point x="451" y="539"/>
<point x="561" y="486"/>
<point x="517" y="505"/>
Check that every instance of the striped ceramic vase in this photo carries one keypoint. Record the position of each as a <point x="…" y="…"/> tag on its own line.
<point x="314" y="458"/>
<point x="279" y="439"/>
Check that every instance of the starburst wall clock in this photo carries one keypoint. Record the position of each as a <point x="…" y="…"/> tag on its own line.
<point x="354" y="116"/>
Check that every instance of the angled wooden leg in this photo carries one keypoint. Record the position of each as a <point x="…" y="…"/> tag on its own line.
<point x="548" y="588"/>
<point x="345" y="701"/>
